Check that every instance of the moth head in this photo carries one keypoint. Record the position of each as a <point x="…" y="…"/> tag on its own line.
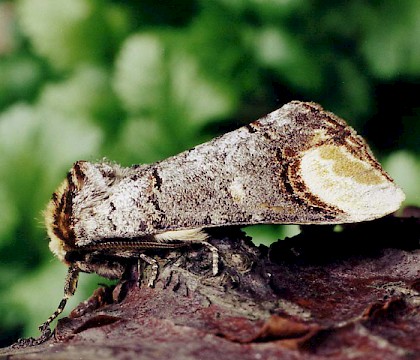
<point x="83" y="182"/>
<point x="58" y="213"/>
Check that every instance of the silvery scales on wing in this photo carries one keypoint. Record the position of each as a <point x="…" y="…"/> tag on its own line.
<point x="297" y="165"/>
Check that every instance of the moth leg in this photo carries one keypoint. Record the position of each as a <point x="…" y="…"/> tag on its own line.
<point x="192" y="236"/>
<point x="138" y="272"/>
<point x="215" y="256"/>
<point x="153" y="263"/>
<point x="70" y="287"/>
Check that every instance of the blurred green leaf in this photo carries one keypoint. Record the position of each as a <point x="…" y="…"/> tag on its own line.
<point x="404" y="167"/>
<point x="9" y="216"/>
<point x="86" y="93"/>
<point x="391" y="43"/>
<point x="20" y="77"/>
<point x="268" y="234"/>
<point x="140" y="73"/>
<point x="66" y="32"/>
<point x="281" y="51"/>
<point x="143" y="140"/>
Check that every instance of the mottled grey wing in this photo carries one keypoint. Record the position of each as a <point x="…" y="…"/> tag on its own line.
<point x="297" y="165"/>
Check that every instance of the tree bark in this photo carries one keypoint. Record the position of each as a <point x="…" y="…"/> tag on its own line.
<point x="352" y="294"/>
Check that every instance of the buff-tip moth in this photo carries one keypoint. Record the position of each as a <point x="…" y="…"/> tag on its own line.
<point x="297" y="165"/>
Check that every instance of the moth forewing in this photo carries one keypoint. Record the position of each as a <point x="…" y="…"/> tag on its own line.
<point x="297" y="165"/>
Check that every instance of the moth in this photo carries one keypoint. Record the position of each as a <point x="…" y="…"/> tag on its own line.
<point x="297" y="165"/>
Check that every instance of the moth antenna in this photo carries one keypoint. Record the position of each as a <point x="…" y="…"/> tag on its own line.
<point x="153" y="263"/>
<point x="22" y="343"/>
<point x="70" y="287"/>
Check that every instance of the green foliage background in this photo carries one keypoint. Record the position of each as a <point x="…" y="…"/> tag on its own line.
<point x="137" y="81"/>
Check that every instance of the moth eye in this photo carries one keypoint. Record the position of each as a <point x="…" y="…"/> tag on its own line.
<point x="356" y="186"/>
<point x="73" y="256"/>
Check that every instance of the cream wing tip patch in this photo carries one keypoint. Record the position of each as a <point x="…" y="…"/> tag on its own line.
<point x="350" y="184"/>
